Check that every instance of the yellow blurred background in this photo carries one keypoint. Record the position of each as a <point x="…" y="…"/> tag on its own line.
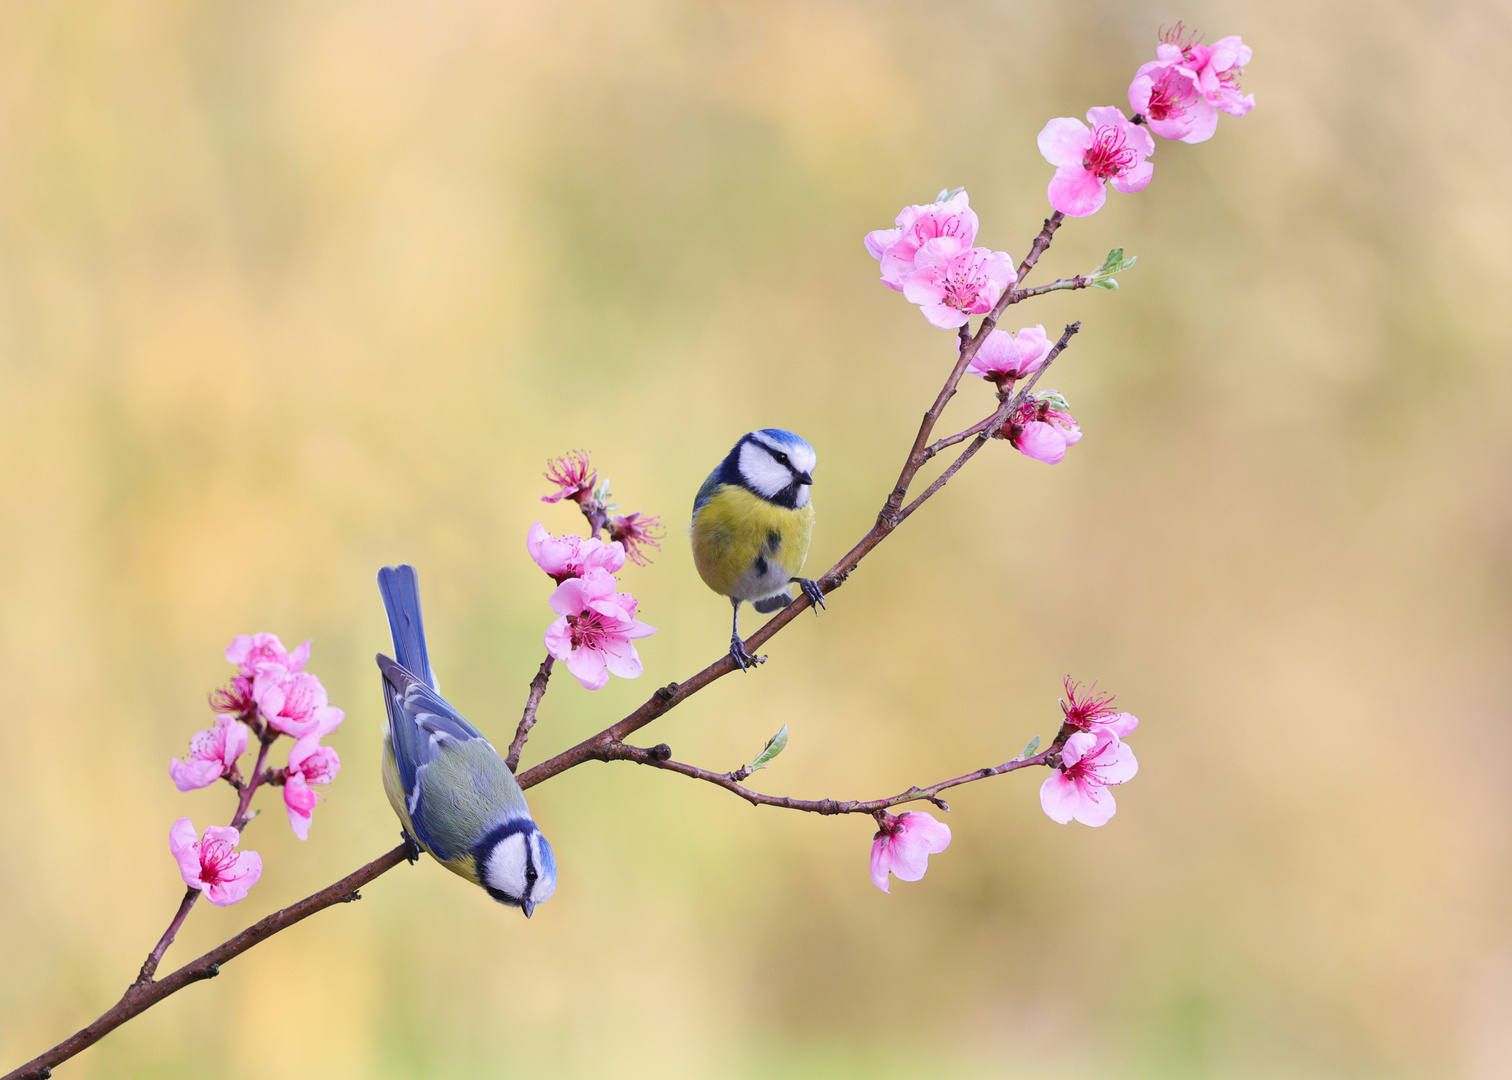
<point x="289" y="291"/>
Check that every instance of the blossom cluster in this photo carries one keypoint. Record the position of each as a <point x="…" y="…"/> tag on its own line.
<point x="595" y="627"/>
<point x="1178" y="95"/>
<point x="928" y="257"/>
<point x="1091" y="759"/>
<point x="271" y="695"/>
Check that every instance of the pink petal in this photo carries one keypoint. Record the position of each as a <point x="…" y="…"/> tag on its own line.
<point x="1042" y="442"/>
<point x="1122" y="725"/>
<point x="237" y="734"/>
<point x="1204" y="122"/>
<point x="944" y="316"/>
<point x="924" y="829"/>
<point x="1033" y="345"/>
<point x="1075" y="192"/>
<point x="299" y="801"/>
<point x="881" y="861"/>
<point x="1077" y="747"/>
<point x="194" y="774"/>
<point x="1096" y="807"/>
<point x="1135" y="179"/>
<point x="622" y="660"/>
<point x="559" y="639"/>
<point x="1230" y="52"/>
<point x="183" y="843"/>
<point x="1059" y="798"/>
<point x="1064" y="142"/>
<point x="879" y="240"/>
<point x="1116" y="763"/>
<point x="589" y="668"/>
<point x="327" y="718"/>
<point x="998" y="355"/>
<point x="300" y="656"/>
<point x="569" y="598"/>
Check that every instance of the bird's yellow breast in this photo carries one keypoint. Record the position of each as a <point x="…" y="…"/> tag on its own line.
<point x="736" y="534"/>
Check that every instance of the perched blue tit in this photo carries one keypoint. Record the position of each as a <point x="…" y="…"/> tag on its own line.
<point x="453" y="793"/>
<point x="752" y="521"/>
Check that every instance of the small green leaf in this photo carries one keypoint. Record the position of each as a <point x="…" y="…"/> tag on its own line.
<point x="1115" y="263"/>
<point x="946" y="194"/>
<point x="775" y="745"/>
<point x="1030" y="747"/>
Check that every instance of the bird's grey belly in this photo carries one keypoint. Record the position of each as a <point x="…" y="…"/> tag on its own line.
<point x="765" y="577"/>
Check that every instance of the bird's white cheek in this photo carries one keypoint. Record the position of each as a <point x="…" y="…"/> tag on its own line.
<point x="802" y="497"/>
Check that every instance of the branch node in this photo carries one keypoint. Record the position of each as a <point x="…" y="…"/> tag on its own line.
<point x="941" y="803"/>
<point x="212" y="971"/>
<point x="668" y="692"/>
<point x="660" y="752"/>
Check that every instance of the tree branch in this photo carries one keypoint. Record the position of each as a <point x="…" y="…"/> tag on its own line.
<point x="607" y="745"/>
<point x="527" y="721"/>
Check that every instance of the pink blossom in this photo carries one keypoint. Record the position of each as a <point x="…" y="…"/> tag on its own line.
<point x="1179" y="93"/>
<point x="595" y="628"/>
<point x="636" y="531"/>
<point x="1112" y="151"/>
<point x="571" y="556"/>
<point x="1005" y="358"/>
<point x="1094" y="712"/>
<point x="309" y="763"/>
<point x="294" y="703"/>
<point x="1091" y="762"/>
<point x="250" y="652"/>
<point x="213" y="865"/>
<point x="904" y="844"/>
<point x="917" y="225"/>
<point x="572" y="476"/>
<point x="954" y="282"/>
<point x="1043" y="428"/>
<point x="212" y="754"/>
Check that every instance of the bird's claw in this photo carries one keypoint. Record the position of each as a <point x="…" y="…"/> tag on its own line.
<point x="813" y="591"/>
<point x="743" y="659"/>
<point x="411" y="849"/>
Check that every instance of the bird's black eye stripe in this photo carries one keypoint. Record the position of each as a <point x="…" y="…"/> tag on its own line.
<point x="530" y="873"/>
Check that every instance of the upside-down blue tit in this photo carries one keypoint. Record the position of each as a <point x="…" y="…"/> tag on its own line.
<point x="454" y="795"/>
<point x="752" y="521"/>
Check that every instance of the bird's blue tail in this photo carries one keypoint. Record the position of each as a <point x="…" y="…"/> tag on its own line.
<point x="401" y="598"/>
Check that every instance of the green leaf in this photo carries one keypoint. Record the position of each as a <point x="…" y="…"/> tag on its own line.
<point x="775" y="745"/>
<point x="1030" y="747"/>
<point x="1115" y="263"/>
<point x="946" y="194"/>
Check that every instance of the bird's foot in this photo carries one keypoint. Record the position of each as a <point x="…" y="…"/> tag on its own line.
<point x="411" y="849"/>
<point x="743" y="659"/>
<point x="812" y="590"/>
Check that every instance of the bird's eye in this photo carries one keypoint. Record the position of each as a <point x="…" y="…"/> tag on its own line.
<point x="530" y="874"/>
<point x="782" y="459"/>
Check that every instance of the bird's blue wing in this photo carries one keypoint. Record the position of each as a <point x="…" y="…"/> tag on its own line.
<point x="421" y="725"/>
<point x="401" y="599"/>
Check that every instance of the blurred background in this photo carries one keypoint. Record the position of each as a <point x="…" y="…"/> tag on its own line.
<point x="290" y="291"/>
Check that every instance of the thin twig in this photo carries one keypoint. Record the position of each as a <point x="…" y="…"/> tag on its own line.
<point x="527" y="721"/>
<point x="625" y="752"/>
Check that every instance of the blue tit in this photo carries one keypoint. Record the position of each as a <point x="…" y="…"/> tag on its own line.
<point x="752" y="521"/>
<point x="453" y="793"/>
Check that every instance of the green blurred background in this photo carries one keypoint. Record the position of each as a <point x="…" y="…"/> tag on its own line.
<point x="291" y="290"/>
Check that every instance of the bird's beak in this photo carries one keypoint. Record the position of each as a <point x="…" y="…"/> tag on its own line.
<point x="527" y="907"/>
<point x="804" y="478"/>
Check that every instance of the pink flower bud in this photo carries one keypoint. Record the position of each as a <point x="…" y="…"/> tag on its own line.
<point x="309" y="764"/>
